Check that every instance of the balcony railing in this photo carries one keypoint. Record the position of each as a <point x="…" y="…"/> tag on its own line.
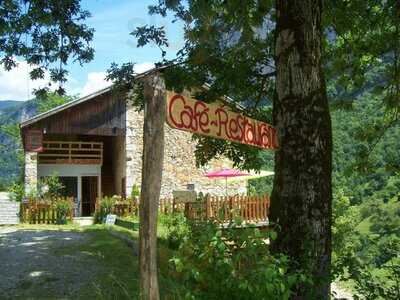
<point x="62" y="152"/>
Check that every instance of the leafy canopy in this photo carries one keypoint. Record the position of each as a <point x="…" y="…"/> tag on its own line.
<point x="229" y="45"/>
<point x="46" y="34"/>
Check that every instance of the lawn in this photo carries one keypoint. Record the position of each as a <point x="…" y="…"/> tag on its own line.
<point x="107" y="262"/>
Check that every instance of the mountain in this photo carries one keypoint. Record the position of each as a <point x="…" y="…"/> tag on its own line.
<point x="12" y="113"/>
<point x="8" y="103"/>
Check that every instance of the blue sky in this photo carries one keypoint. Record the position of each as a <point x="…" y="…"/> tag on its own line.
<point x="112" y="20"/>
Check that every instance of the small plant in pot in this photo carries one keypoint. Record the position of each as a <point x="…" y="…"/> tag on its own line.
<point x="63" y="207"/>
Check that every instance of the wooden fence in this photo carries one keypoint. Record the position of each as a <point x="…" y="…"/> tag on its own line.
<point x="250" y="209"/>
<point x="125" y="208"/>
<point x="39" y="212"/>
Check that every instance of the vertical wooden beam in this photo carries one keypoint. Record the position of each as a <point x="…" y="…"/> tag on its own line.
<point x="152" y="164"/>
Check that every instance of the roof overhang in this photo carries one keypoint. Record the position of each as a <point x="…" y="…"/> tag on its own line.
<point x="103" y="91"/>
<point x="72" y="103"/>
<point x="63" y="107"/>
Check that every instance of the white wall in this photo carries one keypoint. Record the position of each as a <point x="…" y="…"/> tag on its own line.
<point x="72" y="171"/>
<point x="68" y="170"/>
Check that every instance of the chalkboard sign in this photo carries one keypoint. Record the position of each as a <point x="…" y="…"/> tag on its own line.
<point x="184" y="196"/>
<point x="110" y="219"/>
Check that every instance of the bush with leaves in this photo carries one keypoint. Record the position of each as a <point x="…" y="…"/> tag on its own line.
<point x="176" y="228"/>
<point x="17" y="191"/>
<point x="106" y="207"/>
<point x="232" y="263"/>
<point x="50" y="187"/>
<point x="63" y="206"/>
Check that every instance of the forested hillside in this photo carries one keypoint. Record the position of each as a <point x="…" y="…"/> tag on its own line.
<point x="366" y="208"/>
<point x="7" y="104"/>
<point x="11" y="114"/>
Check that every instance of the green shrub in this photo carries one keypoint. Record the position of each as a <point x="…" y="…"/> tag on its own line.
<point x="232" y="263"/>
<point x="17" y="191"/>
<point x="135" y="193"/>
<point x="50" y="187"/>
<point x="106" y="207"/>
<point x="176" y="228"/>
<point x="62" y="207"/>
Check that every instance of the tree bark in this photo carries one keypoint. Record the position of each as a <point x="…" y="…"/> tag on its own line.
<point x="152" y="164"/>
<point x="302" y="193"/>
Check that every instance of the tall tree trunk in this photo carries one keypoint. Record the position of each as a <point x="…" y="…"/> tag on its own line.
<point x="153" y="155"/>
<point x="302" y="193"/>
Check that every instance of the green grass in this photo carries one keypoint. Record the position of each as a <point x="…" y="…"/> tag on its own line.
<point x="120" y="280"/>
<point x="118" y="271"/>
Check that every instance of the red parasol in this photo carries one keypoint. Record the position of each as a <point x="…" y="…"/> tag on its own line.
<point x="226" y="173"/>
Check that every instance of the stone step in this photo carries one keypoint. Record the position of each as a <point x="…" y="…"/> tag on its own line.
<point x="9" y="210"/>
<point x="83" y="221"/>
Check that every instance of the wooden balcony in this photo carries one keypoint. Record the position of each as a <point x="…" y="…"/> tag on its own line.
<point x="62" y="152"/>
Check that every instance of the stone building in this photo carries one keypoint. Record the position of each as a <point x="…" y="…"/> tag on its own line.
<point x="94" y="144"/>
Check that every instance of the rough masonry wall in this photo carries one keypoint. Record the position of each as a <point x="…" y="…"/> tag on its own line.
<point x="31" y="171"/>
<point x="179" y="161"/>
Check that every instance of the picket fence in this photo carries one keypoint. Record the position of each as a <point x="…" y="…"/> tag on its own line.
<point x="220" y="209"/>
<point x="250" y="209"/>
<point x="39" y="212"/>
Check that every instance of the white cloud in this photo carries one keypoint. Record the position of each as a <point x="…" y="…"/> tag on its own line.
<point x="143" y="67"/>
<point x="16" y="84"/>
<point x="97" y="80"/>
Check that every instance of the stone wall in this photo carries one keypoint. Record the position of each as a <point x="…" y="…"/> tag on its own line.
<point x="179" y="161"/>
<point x="9" y="210"/>
<point x="31" y="171"/>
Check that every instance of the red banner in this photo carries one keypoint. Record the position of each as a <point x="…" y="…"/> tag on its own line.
<point x="217" y="121"/>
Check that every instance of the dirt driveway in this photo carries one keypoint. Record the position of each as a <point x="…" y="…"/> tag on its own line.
<point x="38" y="264"/>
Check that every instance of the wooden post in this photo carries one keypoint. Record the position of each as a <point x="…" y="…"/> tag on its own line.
<point x="152" y="164"/>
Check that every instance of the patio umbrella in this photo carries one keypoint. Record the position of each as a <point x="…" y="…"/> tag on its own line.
<point x="253" y="175"/>
<point x="226" y="173"/>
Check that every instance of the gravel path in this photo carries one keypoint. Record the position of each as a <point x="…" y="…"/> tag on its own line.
<point x="39" y="265"/>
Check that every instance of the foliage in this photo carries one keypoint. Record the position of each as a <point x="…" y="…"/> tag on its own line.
<point x="63" y="206"/>
<point x="176" y="228"/>
<point x="51" y="100"/>
<point x="17" y="191"/>
<point x="11" y="152"/>
<point x="364" y="36"/>
<point x="135" y="193"/>
<point x="344" y="235"/>
<point x="50" y="187"/>
<point x="44" y="33"/>
<point x="232" y="263"/>
<point x="106" y="207"/>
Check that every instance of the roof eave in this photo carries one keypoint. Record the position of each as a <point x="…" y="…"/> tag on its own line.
<point x="63" y="107"/>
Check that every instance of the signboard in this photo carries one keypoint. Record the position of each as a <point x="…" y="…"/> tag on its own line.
<point x="110" y="219"/>
<point x="184" y="196"/>
<point x="34" y="140"/>
<point x="217" y="121"/>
